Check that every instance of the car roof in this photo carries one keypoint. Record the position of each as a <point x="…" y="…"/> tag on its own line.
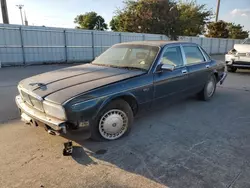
<point x="159" y="43"/>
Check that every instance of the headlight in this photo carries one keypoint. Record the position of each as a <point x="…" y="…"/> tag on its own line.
<point x="54" y="110"/>
<point x="232" y="52"/>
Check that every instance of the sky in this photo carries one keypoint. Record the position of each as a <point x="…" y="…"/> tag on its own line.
<point x="61" y="13"/>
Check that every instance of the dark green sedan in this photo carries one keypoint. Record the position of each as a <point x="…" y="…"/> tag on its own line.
<point x="105" y="95"/>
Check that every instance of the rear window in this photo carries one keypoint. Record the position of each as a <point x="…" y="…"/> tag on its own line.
<point x="193" y="55"/>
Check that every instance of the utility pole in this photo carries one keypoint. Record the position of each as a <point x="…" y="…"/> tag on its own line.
<point x="25" y="19"/>
<point x="217" y="10"/>
<point x="4" y="12"/>
<point x="20" y="8"/>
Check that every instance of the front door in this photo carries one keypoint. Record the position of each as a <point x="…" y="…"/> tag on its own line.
<point x="198" y="67"/>
<point x="169" y="85"/>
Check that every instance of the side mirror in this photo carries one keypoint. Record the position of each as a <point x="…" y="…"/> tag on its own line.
<point x="167" y="67"/>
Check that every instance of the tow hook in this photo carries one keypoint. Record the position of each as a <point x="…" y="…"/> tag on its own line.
<point x="68" y="148"/>
<point x="52" y="132"/>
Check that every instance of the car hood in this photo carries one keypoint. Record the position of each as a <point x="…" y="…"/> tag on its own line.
<point x="63" y="84"/>
<point x="243" y="48"/>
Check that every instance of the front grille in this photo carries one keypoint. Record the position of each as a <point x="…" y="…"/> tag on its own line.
<point x="25" y="97"/>
<point x="36" y="103"/>
<point x="242" y="54"/>
<point x="32" y="101"/>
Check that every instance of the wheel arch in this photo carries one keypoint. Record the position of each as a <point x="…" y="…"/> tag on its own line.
<point x="128" y="97"/>
<point x="216" y="74"/>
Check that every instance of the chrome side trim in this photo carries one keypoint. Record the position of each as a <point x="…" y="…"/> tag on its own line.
<point x="54" y="123"/>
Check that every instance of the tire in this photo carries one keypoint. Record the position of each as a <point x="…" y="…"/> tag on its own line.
<point x="112" y="122"/>
<point x="209" y="89"/>
<point x="231" y="69"/>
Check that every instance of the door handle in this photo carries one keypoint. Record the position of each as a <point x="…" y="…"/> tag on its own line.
<point x="184" y="71"/>
<point x="207" y="66"/>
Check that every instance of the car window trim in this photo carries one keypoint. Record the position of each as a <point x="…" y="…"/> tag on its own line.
<point x="203" y="53"/>
<point x="197" y="46"/>
<point x="162" y="53"/>
<point x="154" y="61"/>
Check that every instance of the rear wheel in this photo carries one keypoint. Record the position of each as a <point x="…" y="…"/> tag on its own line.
<point x="209" y="89"/>
<point x="113" y="122"/>
<point x="231" y="69"/>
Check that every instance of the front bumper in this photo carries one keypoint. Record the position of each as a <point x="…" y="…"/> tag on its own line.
<point x="222" y="78"/>
<point x="237" y="61"/>
<point x="31" y="113"/>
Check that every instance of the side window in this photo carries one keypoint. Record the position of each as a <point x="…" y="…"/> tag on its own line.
<point x="206" y="55"/>
<point x="193" y="55"/>
<point x="173" y="56"/>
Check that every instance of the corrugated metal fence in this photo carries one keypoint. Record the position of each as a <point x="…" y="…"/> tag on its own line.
<point x="213" y="45"/>
<point x="20" y="45"/>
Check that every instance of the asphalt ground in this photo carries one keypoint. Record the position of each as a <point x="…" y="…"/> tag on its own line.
<point x="188" y="144"/>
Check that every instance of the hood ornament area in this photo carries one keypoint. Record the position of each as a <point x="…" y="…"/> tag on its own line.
<point x="40" y="85"/>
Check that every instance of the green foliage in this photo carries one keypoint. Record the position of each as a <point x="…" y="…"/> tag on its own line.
<point x="161" y="17"/>
<point x="146" y="16"/>
<point x="236" y="31"/>
<point x="192" y="18"/>
<point x="91" y="21"/>
<point x="217" y="30"/>
<point x="223" y="29"/>
<point x="115" y="23"/>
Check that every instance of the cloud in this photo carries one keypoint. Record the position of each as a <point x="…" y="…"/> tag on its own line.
<point x="240" y="12"/>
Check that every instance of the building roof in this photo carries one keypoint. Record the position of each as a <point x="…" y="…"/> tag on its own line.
<point x="160" y="43"/>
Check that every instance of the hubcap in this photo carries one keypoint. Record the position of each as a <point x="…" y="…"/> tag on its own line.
<point x="113" y="124"/>
<point x="210" y="88"/>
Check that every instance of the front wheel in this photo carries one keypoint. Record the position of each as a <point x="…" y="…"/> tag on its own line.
<point x="209" y="89"/>
<point x="113" y="122"/>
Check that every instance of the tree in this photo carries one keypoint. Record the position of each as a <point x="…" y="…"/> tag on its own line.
<point x="192" y="18"/>
<point x="146" y="16"/>
<point x="91" y="21"/>
<point x="236" y="31"/>
<point x="161" y="17"/>
<point x="217" y="29"/>
<point x="115" y="23"/>
<point x="223" y="29"/>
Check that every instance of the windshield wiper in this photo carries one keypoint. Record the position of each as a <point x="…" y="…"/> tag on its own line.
<point x="105" y="65"/>
<point x="121" y="67"/>
<point x="134" y="68"/>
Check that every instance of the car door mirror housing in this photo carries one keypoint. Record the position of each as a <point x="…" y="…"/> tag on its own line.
<point x="167" y="67"/>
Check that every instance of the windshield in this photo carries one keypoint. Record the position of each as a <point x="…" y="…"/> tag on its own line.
<point x="128" y="56"/>
<point x="247" y="41"/>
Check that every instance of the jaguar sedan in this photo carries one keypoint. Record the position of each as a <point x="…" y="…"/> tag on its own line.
<point x="105" y="95"/>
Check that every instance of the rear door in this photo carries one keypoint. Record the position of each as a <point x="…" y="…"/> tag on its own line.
<point x="198" y="67"/>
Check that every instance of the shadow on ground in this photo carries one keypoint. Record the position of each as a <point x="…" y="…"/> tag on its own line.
<point x="188" y="144"/>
